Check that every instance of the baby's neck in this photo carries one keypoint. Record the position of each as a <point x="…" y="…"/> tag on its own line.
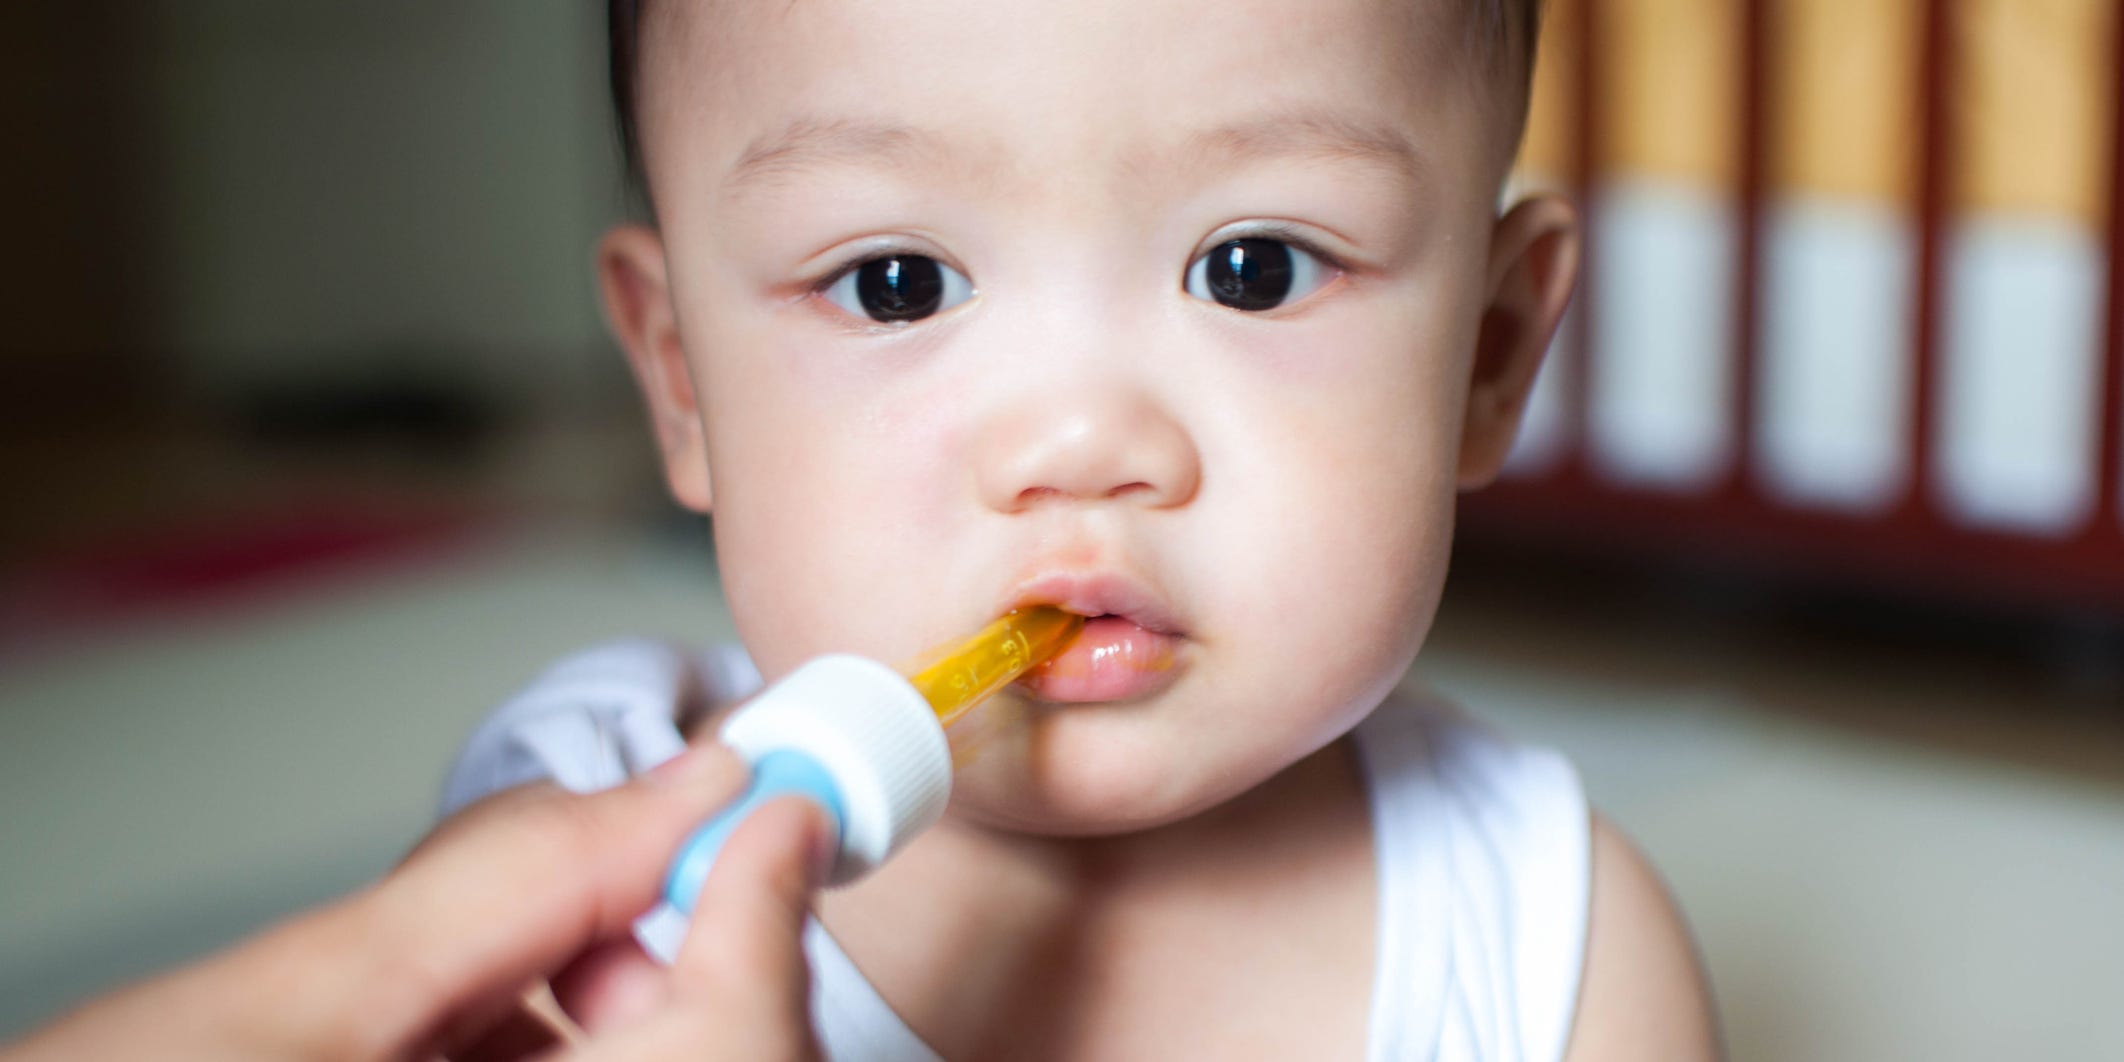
<point x="973" y="930"/>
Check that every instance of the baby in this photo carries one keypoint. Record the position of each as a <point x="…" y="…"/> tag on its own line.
<point x="1191" y="317"/>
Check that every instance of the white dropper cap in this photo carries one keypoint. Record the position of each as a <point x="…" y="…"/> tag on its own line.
<point x="853" y="736"/>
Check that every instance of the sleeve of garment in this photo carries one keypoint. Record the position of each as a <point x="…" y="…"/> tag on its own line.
<point x="594" y="719"/>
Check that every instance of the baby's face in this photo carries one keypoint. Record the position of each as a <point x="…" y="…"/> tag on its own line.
<point x="1163" y="312"/>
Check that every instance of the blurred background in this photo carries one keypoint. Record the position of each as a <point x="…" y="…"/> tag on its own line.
<point x="1812" y="554"/>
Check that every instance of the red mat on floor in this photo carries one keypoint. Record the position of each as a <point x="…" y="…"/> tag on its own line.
<point x="220" y="561"/>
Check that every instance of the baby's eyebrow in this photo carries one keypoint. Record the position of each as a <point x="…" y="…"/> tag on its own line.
<point x="809" y="143"/>
<point x="1323" y="135"/>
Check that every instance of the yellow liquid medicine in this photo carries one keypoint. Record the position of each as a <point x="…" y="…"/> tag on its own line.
<point x="970" y="672"/>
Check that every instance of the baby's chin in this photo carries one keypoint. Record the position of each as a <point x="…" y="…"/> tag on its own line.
<point x="1120" y="788"/>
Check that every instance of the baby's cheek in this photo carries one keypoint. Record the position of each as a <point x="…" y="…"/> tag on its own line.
<point x="1353" y="550"/>
<point x="787" y="545"/>
<point x="835" y="547"/>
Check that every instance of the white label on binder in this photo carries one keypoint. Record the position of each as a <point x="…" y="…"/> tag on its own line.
<point x="1837" y="321"/>
<point x="2021" y="375"/>
<point x="1662" y="366"/>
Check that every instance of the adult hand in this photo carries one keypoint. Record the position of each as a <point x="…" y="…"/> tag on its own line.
<point x="528" y="886"/>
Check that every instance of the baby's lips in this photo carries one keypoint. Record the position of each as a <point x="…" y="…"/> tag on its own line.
<point x="1100" y="594"/>
<point x="1113" y="659"/>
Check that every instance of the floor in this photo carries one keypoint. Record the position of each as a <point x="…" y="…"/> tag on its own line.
<point x="1888" y="849"/>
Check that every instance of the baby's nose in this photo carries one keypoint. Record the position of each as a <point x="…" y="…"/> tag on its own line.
<point x="1087" y="448"/>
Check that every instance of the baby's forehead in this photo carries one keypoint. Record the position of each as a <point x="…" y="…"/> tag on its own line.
<point x="1149" y="81"/>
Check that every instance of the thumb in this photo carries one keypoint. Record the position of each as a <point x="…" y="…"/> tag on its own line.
<point x="741" y="986"/>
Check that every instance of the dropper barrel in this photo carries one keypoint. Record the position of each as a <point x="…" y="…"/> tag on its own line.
<point x="975" y="669"/>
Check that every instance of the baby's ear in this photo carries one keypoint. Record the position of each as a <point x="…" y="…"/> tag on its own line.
<point x="639" y="310"/>
<point x="1533" y="265"/>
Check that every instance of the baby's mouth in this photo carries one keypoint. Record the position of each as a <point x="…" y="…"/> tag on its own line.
<point x="1113" y="659"/>
<point x="1130" y="646"/>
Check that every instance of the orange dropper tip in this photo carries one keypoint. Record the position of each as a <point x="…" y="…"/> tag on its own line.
<point x="970" y="672"/>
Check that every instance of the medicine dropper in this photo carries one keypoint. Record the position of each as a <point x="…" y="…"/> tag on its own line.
<point x="866" y="743"/>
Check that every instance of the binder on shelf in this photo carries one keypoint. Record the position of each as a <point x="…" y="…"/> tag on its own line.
<point x="1836" y="335"/>
<point x="1660" y="379"/>
<point x="2020" y="360"/>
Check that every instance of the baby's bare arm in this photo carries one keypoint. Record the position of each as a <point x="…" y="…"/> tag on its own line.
<point x="1643" y="996"/>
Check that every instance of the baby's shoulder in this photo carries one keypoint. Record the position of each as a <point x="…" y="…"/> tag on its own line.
<point x="1644" y="994"/>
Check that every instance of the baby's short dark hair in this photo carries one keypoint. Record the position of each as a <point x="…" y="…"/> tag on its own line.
<point x="1503" y="36"/>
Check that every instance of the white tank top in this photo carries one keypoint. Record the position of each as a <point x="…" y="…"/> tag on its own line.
<point x="1482" y="848"/>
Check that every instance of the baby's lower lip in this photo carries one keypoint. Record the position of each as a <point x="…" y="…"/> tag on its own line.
<point x="1113" y="659"/>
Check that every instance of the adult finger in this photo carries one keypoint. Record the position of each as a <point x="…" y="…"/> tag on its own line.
<point x="518" y="1033"/>
<point x="741" y="970"/>
<point x="740" y="986"/>
<point x="750" y="935"/>
<point x="511" y="891"/>
<point x="611" y="984"/>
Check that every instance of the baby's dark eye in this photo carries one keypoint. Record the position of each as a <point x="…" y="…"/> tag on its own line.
<point x="899" y="288"/>
<point x="1255" y="274"/>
